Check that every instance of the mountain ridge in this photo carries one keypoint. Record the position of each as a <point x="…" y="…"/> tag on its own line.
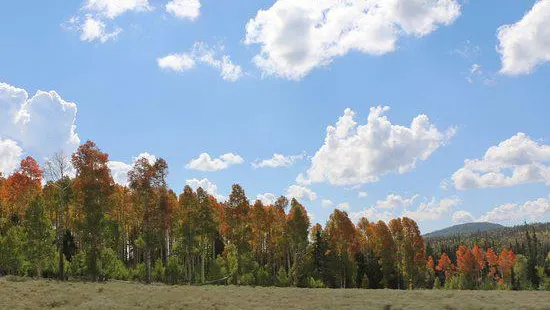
<point x="464" y="229"/>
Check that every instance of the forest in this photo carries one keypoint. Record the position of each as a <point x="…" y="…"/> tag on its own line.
<point x="69" y="220"/>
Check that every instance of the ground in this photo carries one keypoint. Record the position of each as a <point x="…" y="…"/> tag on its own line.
<point x="40" y="294"/>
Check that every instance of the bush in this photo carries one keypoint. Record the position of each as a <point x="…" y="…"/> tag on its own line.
<point x="437" y="284"/>
<point x="282" y="278"/>
<point x="173" y="271"/>
<point x="247" y="279"/>
<point x="217" y="270"/>
<point x="365" y="282"/>
<point x="77" y="266"/>
<point x="139" y="273"/>
<point x="314" y="283"/>
<point x="158" y="272"/>
<point x="112" y="267"/>
<point x="262" y="277"/>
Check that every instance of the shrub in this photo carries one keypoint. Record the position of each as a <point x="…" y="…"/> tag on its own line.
<point x="314" y="283"/>
<point x="247" y="279"/>
<point x="112" y="267"/>
<point x="217" y="270"/>
<point x="437" y="284"/>
<point x="77" y="265"/>
<point x="157" y="274"/>
<point x="282" y="278"/>
<point x="173" y="271"/>
<point x="262" y="277"/>
<point x="139" y="273"/>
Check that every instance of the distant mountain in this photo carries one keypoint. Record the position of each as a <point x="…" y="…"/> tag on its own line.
<point x="465" y="229"/>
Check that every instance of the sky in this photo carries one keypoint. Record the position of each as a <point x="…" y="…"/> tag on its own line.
<point x="433" y="109"/>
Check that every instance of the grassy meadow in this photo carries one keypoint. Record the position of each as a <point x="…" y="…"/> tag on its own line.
<point x="44" y="294"/>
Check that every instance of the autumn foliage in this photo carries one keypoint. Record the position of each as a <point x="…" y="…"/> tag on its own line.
<point x="147" y="232"/>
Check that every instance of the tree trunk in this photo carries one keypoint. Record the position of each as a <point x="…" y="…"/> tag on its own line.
<point x="148" y="265"/>
<point x="61" y="264"/>
<point x="203" y="256"/>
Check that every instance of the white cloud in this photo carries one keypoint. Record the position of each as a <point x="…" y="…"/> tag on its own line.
<point x="475" y="70"/>
<point x="113" y="8"/>
<point x="536" y="210"/>
<point x="300" y="192"/>
<point x="206" y="163"/>
<point x="525" y="45"/>
<point x="203" y="54"/>
<point x="94" y="29"/>
<point x="208" y="186"/>
<point x="267" y="198"/>
<point x="119" y="170"/>
<point x="394" y="201"/>
<point x="327" y="203"/>
<point x="433" y="209"/>
<point x="176" y="62"/>
<point x="514" y="161"/>
<point x="355" y="154"/>
<point x="467" y="50"/>
<point x="296" y="36"/>
<point x="10" y="156"/>
<point x="41" y="125"/>
<point x="362" y="194"/>
<point x="462" y="216"/>
<point x="184" y="9"/>
<point x="90" y="22"/>
<point x="207" y="55"/>
<point x="278" y="160"/>
<point x="344" y="206"/>
<point x="373" y="215"/>
<point x="477" y="74"/>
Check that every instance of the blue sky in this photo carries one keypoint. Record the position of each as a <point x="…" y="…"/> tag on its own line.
<point x="478" y="70"/>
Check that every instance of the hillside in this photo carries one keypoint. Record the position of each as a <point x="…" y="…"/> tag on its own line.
<point x="465" y="229"/>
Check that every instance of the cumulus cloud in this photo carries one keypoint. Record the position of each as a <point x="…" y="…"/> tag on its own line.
<point x="296" y="36"/>
<point x="184" y="9"/>
<point x="119" y="170"/>
<point x="277" y="160"/>
<point x="176" y="62"/>
<point x="90" y="23"/>
<point x="355" y="154"/>
<point x="535" y="210"/>
<point x="41" y="125"/>
<point x="362" y="194"/>
<point x="300" y="192"/>
<point x="433" y="209"/>
<point x="524" y="45"/>
<point x="95" y="30"/>
<point x="394" y="201"/>
<point x="344" y="206"/>
<point x="267" y="198"/>
<point x="326" y="203"/>
<point x="514" y="161"/>
<point x="207" y="185"/>
<point x="372" y="214"/>
<point x="204" y="54"/>
<point x="113" y="8"/>
<point x="462" y="216"/>
<point x="10" y="156"/>
<point x="206" y="163"/>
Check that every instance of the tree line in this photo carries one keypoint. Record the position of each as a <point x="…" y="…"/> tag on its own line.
<point x="82" y="225"/>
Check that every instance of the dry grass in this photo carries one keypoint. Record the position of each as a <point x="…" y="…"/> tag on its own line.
<point x="121" y="295"/>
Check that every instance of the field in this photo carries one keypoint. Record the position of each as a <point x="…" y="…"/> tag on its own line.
<point x="40" y="294"/>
